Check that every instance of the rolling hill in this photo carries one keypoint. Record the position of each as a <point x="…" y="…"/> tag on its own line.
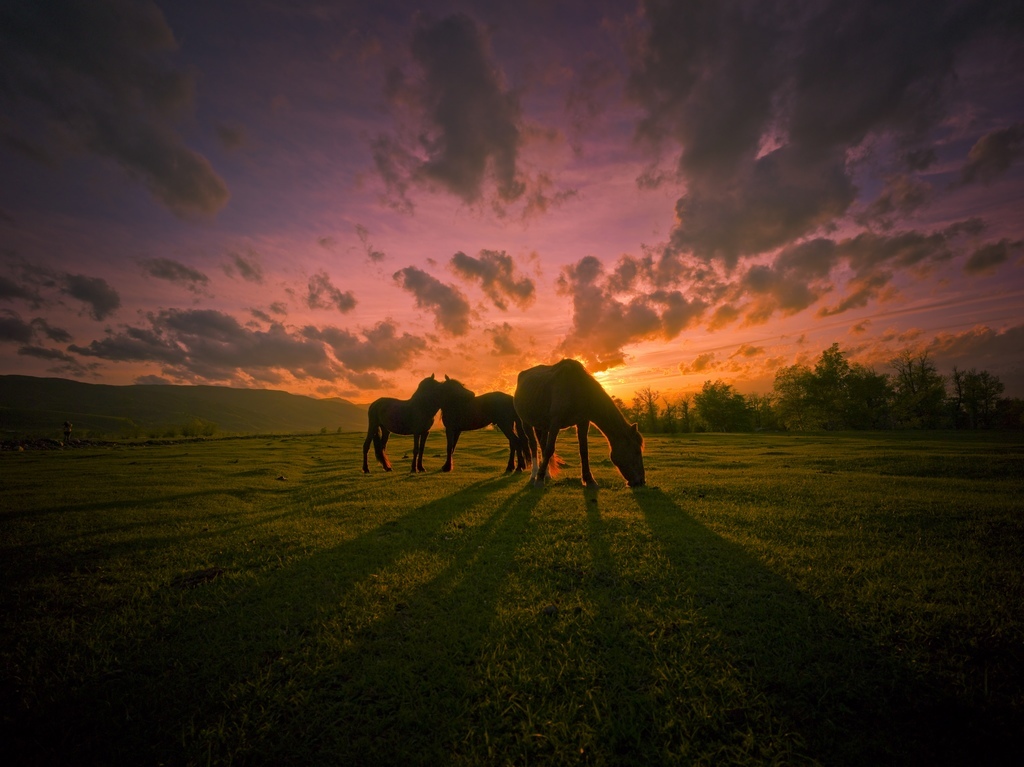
<point x="31" y="406"/>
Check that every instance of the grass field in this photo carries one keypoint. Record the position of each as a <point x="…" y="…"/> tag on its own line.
<point x="768" y="599"/>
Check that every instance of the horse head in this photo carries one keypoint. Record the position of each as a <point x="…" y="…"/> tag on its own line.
<point x="428" y="388"/>
<point x="453" y="391"/>
<point x="628" y="456"/>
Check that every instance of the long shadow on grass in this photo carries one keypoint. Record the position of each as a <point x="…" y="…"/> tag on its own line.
<point x="850" y="701"/>
<point x="214" y="674"/>
<point x="401" y="692"/>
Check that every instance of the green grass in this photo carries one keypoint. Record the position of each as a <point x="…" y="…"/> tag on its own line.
<point x="768" y="599"/>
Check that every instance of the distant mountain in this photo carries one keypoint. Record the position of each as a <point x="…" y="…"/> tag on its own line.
<point x="32" y="406"/>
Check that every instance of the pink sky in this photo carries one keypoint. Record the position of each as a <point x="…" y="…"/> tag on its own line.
<point x="340" y="199"/>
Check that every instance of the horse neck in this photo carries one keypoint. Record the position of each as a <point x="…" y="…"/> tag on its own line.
<point x="428" y="399"/>
<point x="607" y="417"/>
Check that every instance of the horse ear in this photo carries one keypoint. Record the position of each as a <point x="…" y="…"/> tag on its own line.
<point x="432" y="377"/>
<point x="446" y="377"/>
<point x="635" y="428"/>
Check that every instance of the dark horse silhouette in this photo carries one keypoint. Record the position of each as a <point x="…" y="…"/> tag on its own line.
<point x="549" y="398"/>
<point x="412" y="416"/>
<point x="463" y="413"/>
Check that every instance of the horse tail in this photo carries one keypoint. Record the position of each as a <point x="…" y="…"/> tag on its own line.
<point x="555" y="465"/>
<point x="375" y="434"/>
<point x="378" y="447"/>
<point x="519" y="429"/>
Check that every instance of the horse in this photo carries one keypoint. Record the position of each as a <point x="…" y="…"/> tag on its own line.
<point x="475" y="412"/>
<point x="412" y="416"/>
<point x="550" y="398"/>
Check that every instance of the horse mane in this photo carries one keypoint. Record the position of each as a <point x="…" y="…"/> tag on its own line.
<point x="610" y="416"/>
<point x="427" y="383"/>
<point x="456" y="393"/>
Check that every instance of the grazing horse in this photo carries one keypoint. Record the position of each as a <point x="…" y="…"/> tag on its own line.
<point x="412" y="416"/>
<point x="468" y="413"/>
<point x="549" y="398"/>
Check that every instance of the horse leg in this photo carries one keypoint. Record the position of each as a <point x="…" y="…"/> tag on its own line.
<point x="423" y="449"/>
<point x="531" y="442"/>
<point x="452" y="439"/>
<point x="415" y="452"/>
<point x="581" y="436"/>
<point x="382" y="455"/>
<point x="371" y="436"/>
<point x="523" y="456"/>
<point x="513" y="442"/>
<point x="548" y="437"/>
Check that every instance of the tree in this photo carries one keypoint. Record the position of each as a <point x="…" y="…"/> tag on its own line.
<point x="645" y="405"/>
<point x="669" y="418"/>
<point x="762" y="411"/>
<point x="920" y="391"/>
<point x="868" y="399"/>
<point x="793" y="397"/>
<point x="686" y="413"/>
<point x="721" y="408"/>
<point x="828" y="395"/>
<point x="975" y="397"/>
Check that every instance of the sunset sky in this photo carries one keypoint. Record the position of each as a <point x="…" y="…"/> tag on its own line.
<point x="340" y="198"/>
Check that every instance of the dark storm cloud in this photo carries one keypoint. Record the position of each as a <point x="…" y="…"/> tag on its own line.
<point x="475" y="119"/>
<point x="874" y="259"/>
<point x="993" y="154"/>
<point x="496" y="272"/>
<point x="469" y="128"/>
<point x="781" y="197"/>
<point x="449" y="306"/>
<point x="45" y="329"/>
<point x="43" y="353"/>
<point x="901" y="196"/>
<point x="605" y="320"/>
<point x="324" y="295"/>
<point x="134" y="345"/>
<point x="765" y="101"/>
<point x="381" y="347"/>
<point x="174" y="271"/>
<point x="14" y="329"/>
<point x="9" y="290"/>
<point x="247" y="266"/>
<point x="210" y="345"/>
<point x="97" y="75"/>
<point x="992" y="255"/>
<point x="102" y="299"/>
<point x="503" y="338"/>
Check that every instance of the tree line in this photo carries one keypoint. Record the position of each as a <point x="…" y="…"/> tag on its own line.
<point x="836" y="394"/>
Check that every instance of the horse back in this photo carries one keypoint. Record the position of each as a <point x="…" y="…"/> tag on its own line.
<point x="559" y="392"/>
<point x="481" y="411"/>
<point x="400" y="416"/>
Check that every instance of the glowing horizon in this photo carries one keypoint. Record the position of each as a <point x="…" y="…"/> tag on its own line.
<point x="346" y="200"/>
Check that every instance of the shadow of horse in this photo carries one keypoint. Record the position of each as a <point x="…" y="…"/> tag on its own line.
<point x="850" y="700"/>
<point x="475" y="412"/>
